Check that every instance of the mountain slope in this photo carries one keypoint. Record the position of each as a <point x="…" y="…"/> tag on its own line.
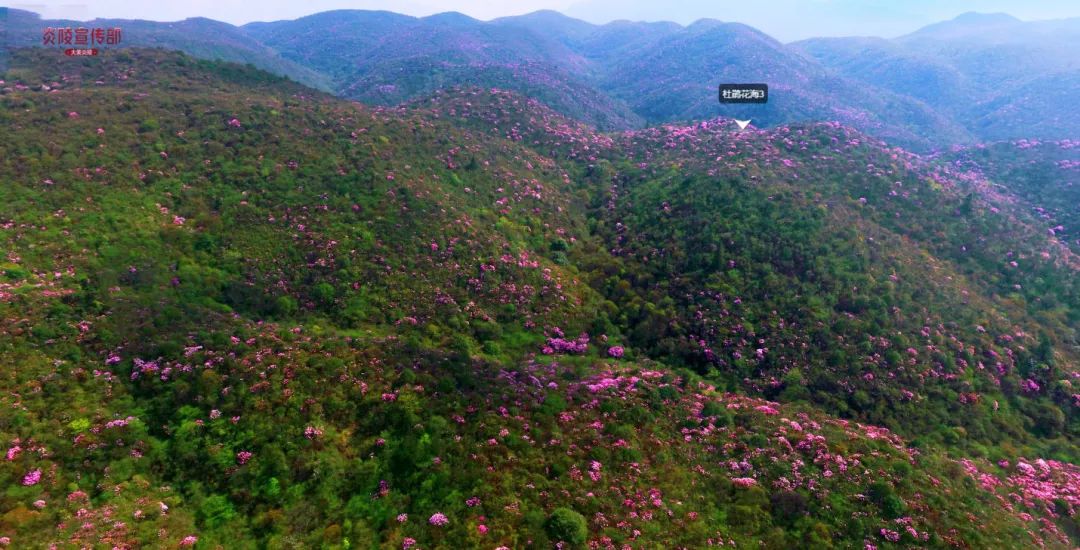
<point x="891" y="66"/>
<point x="245" y="313"/>
<point x="1044" y="176"/>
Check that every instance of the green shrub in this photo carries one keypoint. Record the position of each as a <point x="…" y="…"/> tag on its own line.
<point x="567" y="525"/>
<point x="215" y="511"/>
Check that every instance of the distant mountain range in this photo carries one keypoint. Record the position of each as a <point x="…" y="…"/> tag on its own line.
<point x="975" y="78"/>
<point x="1001" y="77"/>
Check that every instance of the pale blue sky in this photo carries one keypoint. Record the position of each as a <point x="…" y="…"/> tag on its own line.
<point x="785" y="19"/>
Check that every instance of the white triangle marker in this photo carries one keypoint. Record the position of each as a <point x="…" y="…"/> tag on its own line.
<point x="742" y="123"/>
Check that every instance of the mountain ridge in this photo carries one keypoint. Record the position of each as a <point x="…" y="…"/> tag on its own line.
<point x="564" y="61"/>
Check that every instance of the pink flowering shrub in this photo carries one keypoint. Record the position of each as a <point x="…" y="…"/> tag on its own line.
<point x="32" y="477"/>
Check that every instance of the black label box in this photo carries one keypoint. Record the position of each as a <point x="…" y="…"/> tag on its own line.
<point x="744" y="93"/>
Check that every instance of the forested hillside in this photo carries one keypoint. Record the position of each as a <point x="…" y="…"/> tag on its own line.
<point x="236" y="312"/>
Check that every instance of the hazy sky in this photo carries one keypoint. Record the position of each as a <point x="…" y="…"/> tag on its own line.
<point x="785" y="19"/>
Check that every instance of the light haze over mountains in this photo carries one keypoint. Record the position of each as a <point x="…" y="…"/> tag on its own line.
<point x="787" y="20"/>
<point x="969" y="79"/>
